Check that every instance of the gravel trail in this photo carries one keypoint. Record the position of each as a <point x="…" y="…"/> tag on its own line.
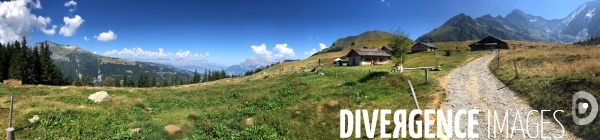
<point x="474" y="87"/>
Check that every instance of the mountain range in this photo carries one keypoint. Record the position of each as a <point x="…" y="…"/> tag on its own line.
<point x="76" y="62"/>
<point x="579" y="25"/>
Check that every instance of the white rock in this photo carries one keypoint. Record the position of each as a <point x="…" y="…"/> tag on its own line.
<point x="99" y="96"/>
<point x="34" y="119"/>
<point x="63" y="88"/>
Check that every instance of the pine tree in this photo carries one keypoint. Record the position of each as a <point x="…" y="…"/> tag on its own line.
<point x="47" y="65"/>
<point x="6" y="60"/>
<point x="205" y="77"/>
<point x="124" y="83"/>
<point x="153" y="83"/>
<point x="143" y="80"/>
<point x="196" y="78"/>
<point x="33" y="66"/>
<point x="2" y="61"/>
<point x="165" y="82"/>
<point x="17" y="66"/>
<point x="67" y="79"/>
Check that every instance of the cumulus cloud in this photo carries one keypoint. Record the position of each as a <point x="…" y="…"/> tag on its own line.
<point x="311" y="52"/>
<point x="16" y="20"/>
<point x="283" y="49"/>
<point x="106" y="36"/>
<point x="323" y="46"/>
<point x="85" y="38"/>
<point x="71" y="25"/>
<point x="262" y="50"/>
<point x="200" y="55"/>
<point x="71" y="3"/>
<point x="37" y="4"/>
<point x="183" y="53"/>
<point x="137" y="51"/>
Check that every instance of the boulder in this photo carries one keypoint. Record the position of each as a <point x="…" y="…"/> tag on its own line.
<point x="63" y="88"/>
<point x="99" y="96"/>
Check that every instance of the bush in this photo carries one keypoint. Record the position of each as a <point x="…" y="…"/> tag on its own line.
<point x="448" y="53"/>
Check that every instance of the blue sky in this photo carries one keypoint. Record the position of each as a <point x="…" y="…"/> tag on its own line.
<point x="227" y="31"/>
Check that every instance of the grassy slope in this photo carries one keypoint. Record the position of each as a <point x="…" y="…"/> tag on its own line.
<point x="299" y="106"/>
<point x="549" y="77"/>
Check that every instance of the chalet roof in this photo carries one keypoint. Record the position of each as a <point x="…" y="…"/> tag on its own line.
<point x="368" y="52"/>
<point x="428" y="45"/>
<point x="490" y="40"/>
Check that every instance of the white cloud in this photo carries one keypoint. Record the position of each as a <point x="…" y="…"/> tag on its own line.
<point x="388" y="4"/>
<point x="262" y="50"/>
<point x="106" y="36"/>
<point x="71" y="3"/>
<point x="85" y="38"/>
<point x="283" y="49"/>
<point x="311" y="52"/>
<point x="16" y="20"/>
<point x="37" y="4"/>
<point x="94" y="52"/>
<point x="200" y="55"/>
<point x="71" y="25"/>
<point x="323" y="46"/>
<point x="183" y="53"/>
<point x="137" y="51"/>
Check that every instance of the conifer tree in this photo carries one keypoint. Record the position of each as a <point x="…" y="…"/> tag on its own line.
<point x="124" y="83"/>
<point x="196" y="78"/>
<point x="3" y="63"/>
<point x="153" y="83"/>
<point x="17" y="66"/>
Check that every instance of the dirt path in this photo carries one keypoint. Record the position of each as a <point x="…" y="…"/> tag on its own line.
<point x="474" y="87"/>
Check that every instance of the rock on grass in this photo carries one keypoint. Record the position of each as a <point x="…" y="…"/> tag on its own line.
<point x="99" y="96"/>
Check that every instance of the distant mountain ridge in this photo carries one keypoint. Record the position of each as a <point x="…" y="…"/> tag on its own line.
<point x="581" y="24"/>
<point x="251" y="63"/>
<point x="342" y="43"/>
<point x="76" y="62"/>
<point x="182" y="63"/>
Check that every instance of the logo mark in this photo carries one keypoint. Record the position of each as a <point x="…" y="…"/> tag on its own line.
<point x="581" y="108"/>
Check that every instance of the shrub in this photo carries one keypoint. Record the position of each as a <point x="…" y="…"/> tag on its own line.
<point x="448" y="53"/>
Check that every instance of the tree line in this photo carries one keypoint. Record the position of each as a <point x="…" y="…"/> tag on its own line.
<point x="30" y="65"/>
<point x="589" y="41"/>
<point x="145" y="81"/>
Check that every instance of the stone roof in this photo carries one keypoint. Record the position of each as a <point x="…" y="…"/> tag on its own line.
<point x="428" y="45"/>
<point x="369" y="52"/>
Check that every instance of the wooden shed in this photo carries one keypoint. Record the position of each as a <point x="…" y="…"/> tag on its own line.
<point x="365" y="56"/>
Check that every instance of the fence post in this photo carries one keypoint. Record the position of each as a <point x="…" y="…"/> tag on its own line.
<point x="426" y="75"/>
<point x="516" y="71"/>
<point x="414" y="96"/>
<point x="498" y="60"/>
<point x="10" y="132"/>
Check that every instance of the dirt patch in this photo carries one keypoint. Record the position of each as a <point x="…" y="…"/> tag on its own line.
<point x="172" y="128"/>
<point x="250" y="121"/>
<point x="332" y="103"/>
<point x="319" y="108"/>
